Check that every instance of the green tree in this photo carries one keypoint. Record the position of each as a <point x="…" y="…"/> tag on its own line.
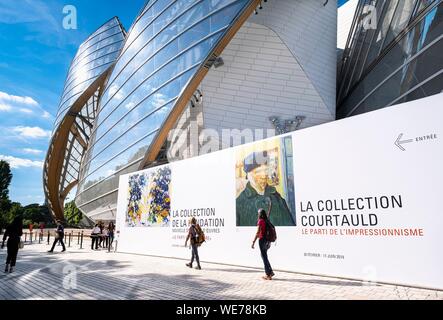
<point x="73" y="215"/>
<point x="49" y="220"/>
<point x="5" y="203"/>
<point x="34" y="213"/>
<point x="15" y="210"/>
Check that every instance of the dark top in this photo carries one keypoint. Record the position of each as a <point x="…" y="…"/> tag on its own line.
<point x="249" y="201"/>
<point x="13" y="233"/>
<point x="60" y="231"/>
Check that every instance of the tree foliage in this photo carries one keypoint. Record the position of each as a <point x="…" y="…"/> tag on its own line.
<point x="5" y="179"/>
<point x="5" y="203"/>
<point x="34" y="214"/>
<point x="73" y="215"/>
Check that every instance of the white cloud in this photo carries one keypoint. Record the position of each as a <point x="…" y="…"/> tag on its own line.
<point x="12" y="103"/>
<point x="46" y="115"/>
<point x="32" y="151"/>
<point x="17" y="163"/>
<point x="17" y="99"/>
<point x="113" y="89"/>
<point x="25" y="110"/>
<point x="5" y="107"/>
<point x="32" y="132"/>
<point x="28" y="105"/>
<point x="159" y="100"/>
<point x="116" y="92"/>
<point x="130" y="105"/>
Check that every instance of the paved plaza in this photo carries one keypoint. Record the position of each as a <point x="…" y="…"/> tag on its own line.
<point x="92" y="275"/>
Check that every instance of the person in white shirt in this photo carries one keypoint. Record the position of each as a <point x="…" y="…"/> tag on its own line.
<point x="95" y="234"/>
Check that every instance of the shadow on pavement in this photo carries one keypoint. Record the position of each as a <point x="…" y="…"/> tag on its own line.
<point x="45" y="275"/>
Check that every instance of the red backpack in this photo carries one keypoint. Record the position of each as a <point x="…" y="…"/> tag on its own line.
<point x="270" y="233"/>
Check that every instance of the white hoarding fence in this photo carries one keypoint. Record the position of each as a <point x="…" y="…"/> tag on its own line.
<point x="357" y="198"/>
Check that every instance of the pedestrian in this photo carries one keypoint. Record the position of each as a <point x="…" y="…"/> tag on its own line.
<point x="13" y="232"/>
<point x="111" y="229"/>
<point x="59" y="235"/>
<point x="105" y="237"/>
<point x="42" y="227"/>
<point x="263" y="243"/>
<point x="100" y="239"/>
<point x="193" y="237"/>
<point x="94" y="237"/>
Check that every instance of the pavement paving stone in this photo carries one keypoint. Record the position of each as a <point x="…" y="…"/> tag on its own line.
<point x="99" y="275"/>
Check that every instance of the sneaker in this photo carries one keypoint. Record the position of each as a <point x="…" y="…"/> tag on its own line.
<point x="198" y="267"/>
<point x="189" y="265"/>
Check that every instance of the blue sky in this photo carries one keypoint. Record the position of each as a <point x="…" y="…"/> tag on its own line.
<point x="35" y="53"/>
<point x="341" y="2"/>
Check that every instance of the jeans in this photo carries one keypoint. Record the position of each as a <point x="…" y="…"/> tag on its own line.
<point x="61" y="242"/>
<point x="264" y="255"/>
<point x="195" y="254"/>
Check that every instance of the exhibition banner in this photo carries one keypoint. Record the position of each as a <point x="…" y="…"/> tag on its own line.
<point x="356" y="198"/>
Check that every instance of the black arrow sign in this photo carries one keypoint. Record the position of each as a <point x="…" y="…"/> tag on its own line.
<point x="399" y="142"/>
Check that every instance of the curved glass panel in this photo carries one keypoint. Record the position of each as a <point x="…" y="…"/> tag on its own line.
<point x="408" y="62"/>
<point x="93" y="57"/>
<point x="108" y="184"/>
<point x="165" y="48"/>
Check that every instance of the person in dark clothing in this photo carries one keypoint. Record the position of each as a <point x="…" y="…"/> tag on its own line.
<point x="59" y="235"/>
<point x="192" y="236"/>
<point x="95" y="234"/>
<point x="100" y="239"/>
<point x="263" y="243"/>
<point x="13" y="232"/>
<point x="111" y="230"/>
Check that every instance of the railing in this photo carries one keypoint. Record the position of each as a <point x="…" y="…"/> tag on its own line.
<point x="69" y="238"/>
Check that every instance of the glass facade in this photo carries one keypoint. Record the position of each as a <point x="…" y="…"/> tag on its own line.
<point x="94" y="56"/>
<point x="166" y="46"/>
<point x="396" y="59"/>
<point x="77" y="143"/>
<point x="77" y="112"/>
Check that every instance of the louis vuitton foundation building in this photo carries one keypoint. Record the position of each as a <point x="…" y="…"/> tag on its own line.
<point x="214" y="64"/>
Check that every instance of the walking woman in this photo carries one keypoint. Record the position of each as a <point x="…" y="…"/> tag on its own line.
<point x="192" y="236"/>
<point x="263" y="243"/>
<point x="111" y="229"/>
<point x="13" y="232"/>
